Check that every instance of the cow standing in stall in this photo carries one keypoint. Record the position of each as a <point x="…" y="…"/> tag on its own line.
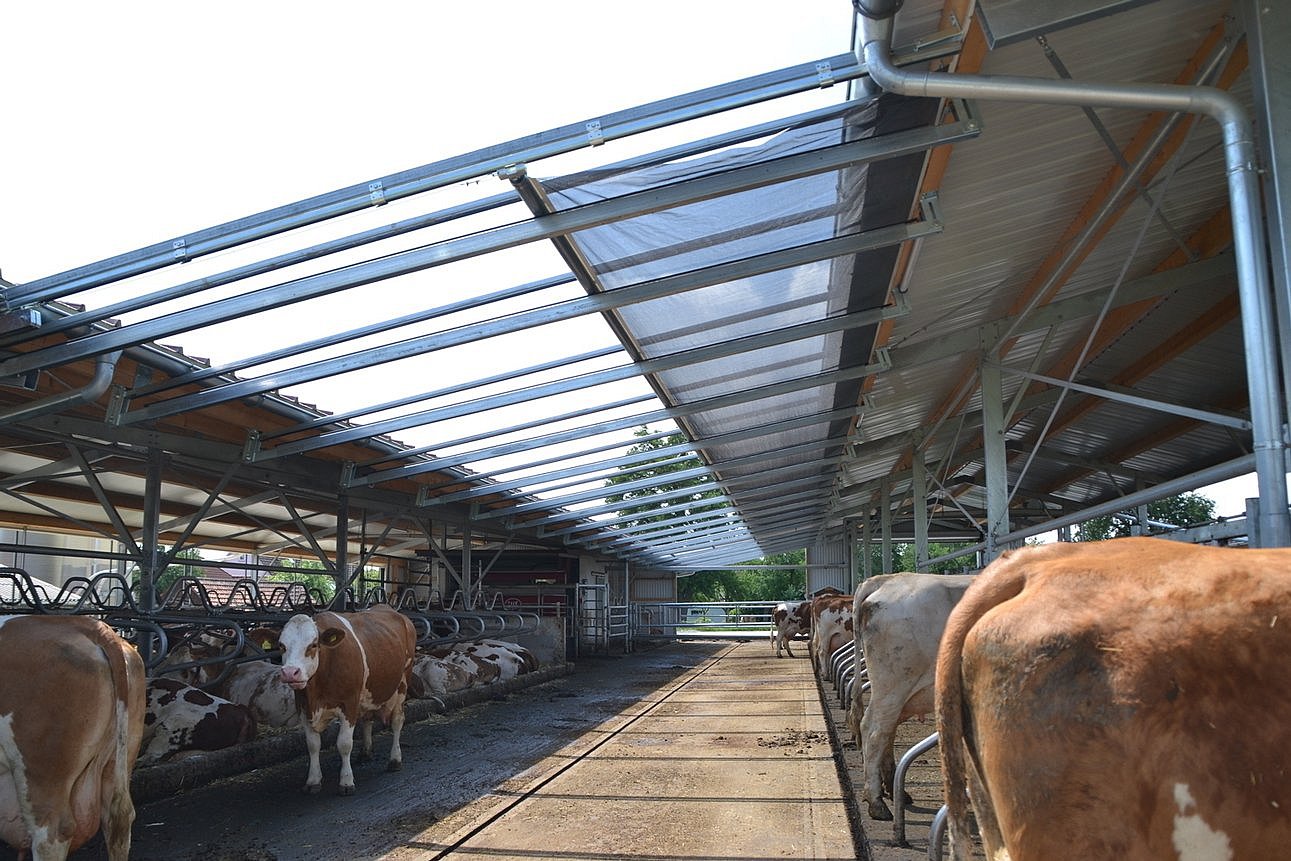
<point x="352" y="667"/>
<point x="1120" y="699"/>
<point x="831" y="628"/>
<point x="788" y="620"/>
<point x="65" y="771"/>
<point x="899" y="619"/>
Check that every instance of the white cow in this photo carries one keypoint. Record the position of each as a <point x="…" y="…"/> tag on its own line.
<point x="899" y="619"/>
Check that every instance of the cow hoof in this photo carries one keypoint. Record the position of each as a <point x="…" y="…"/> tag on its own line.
<point x="312" y="788"/>
<point x="879" y="811"/>
<point x="394" y="765"/>
<point x="345" y="790"/>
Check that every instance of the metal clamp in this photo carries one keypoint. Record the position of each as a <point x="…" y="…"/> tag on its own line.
<point x="178" y="250"/>
<point x="376" y="193"/>
<point x="595" y="137"/>
<point x="252" y="446"/>
<point x="824" y="74"/>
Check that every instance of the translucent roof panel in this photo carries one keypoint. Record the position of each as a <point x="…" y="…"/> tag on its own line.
<point x="795" y="371"/>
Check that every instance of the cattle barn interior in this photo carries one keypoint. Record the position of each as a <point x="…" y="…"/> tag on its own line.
<point x="1009" y="266"/>
<point x="974" y="317"/>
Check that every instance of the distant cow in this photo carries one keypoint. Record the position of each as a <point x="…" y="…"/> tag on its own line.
<point x="899" y="619"/>
<point x="1120" y="699"/>
<point x="181" y="717"/>
<point x="788" y="620"/>
<point x="351" y="666"/>
<point x="436" y="675"/>
<point x="71" y="718"/>
<point x="831" y="628"/>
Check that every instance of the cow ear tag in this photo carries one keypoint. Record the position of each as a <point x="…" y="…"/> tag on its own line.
<point x="332" y="636"/>
<point x="266" y="644"/>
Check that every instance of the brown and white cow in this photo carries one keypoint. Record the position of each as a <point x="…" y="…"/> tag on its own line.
<point x="433" y="675"/>
<point x="180" y="717"/>
<point x="831" y="628"/>
<point x="899" y="619"/>
<point x="352" y="667"/>
<point x="258" y="684"/>
<point x="71" y="718"/>
<point x="1120" y="699"/>
<point x="788" y="620"/>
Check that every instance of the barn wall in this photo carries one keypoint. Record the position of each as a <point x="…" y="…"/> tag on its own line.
<point x="56" y="569"/>
<point x="829" y="564"/>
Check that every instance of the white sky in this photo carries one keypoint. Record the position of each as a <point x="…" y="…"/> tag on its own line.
<point x="127" y="124"/>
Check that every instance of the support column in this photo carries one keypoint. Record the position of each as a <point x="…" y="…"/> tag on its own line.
<point x="885" y="525"/>
<point x="919" y="505"/>
<point x="1268" y="30"/>
<point x="339" y="602"/>
<point x="152" y="559"/>
<point x="867" y="548"/>
<point x="997" y="476"/>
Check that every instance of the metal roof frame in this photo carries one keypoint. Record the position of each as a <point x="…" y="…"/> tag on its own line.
<point x="916" y="308"/>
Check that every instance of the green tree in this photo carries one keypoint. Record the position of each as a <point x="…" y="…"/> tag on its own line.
<point x="1185" y="509"/>
<point x="650" y="507"/>
<point x="173" y="571"/>
<point x="310" y="573"/>
<point x="903" y="557"/>
<point x="783" y="584"/>
<point x="702" y="586"/>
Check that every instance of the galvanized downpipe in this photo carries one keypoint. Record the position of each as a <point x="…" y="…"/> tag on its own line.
<point x="1258" y="332"/>
<point x="104" y="369"/>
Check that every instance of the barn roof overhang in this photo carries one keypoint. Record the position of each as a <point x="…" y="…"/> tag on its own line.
<point x="806" y="299"/>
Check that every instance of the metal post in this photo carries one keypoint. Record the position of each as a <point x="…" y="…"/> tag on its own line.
<point x="867" y="548"/>
<point x="340" y="602"/>
<point x="885" y="525"/>
<point x="919" y="506"/>
<point x="996" y="457"/>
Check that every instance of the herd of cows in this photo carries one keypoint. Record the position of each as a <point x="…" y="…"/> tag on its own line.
<point x="1126" y="699"/>
<point x="65" y="771"/>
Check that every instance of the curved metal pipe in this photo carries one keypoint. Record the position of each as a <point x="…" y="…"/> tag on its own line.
<point x="1258" y="332"/>
<point x="105" y="367"/>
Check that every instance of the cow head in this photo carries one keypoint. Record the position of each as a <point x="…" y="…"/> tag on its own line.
<point x="301" y="641"/>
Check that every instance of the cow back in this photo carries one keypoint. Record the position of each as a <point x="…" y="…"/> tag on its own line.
<point x="77" y="760"/>
<point x="372" y="662"/>
<point x="1146" y="677"/>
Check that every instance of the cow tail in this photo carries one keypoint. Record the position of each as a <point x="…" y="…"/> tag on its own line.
<point x="999" y="583"/>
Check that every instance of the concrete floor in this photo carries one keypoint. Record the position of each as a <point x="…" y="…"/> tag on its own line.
<point x="730" y="759"/>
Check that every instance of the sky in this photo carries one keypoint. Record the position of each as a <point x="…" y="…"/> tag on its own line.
<point x="129" y="124"/>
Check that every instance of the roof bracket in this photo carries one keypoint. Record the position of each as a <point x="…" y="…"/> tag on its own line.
<point x="251" y="448"/>
<point x="594" y="135"/>
<point x="824" y="74"/>
<point x="179" y="250"/>
<point x="423" y="496"/>
<point x="116" y="405"/>
<point x="347" y="474"/>
<point x="376" y="193"/>
<point x="28" y="380"/>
